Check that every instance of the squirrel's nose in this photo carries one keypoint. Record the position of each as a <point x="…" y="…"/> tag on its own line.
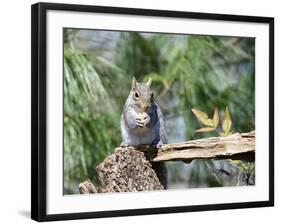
<point x="146" y="108"/>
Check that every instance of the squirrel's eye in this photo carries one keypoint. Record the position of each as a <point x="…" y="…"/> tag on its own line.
<point x="151" y="95"/>
<point x="136" y="95"/>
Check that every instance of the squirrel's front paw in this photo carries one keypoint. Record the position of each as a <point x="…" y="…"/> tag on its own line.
<point x="142" y="119"/>
<point x="124" y="144"/>
<point x="157" y="144"/>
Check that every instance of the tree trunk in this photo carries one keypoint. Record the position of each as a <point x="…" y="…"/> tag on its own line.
<point x="126" y="170"/>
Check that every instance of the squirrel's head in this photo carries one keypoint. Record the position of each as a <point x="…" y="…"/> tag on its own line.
<point x="142" y="95"/>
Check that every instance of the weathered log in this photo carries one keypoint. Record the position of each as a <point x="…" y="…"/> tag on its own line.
<point x="87" y="187"/>
<point x="126" y="170"/>
<point x="140" y="168"/>
<point x="236" y="147"/>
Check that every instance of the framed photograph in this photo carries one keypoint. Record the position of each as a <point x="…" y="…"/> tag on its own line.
<point x="140" y="111"/>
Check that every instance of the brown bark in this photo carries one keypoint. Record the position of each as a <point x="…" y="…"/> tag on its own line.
<point x="126" y="170"/>
<point x="236" y="146"/>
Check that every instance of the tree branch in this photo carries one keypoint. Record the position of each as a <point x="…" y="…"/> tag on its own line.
<point x="237" y="147"/>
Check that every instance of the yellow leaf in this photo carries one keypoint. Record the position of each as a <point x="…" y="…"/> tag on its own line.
<point x="216" y="118"/>
<point x="206" y="129"/>
<point x="202" y="117"/>
<point x="209" y="122"/>
<point x="226" y="124"/>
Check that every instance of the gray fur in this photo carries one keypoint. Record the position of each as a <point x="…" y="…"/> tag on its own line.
<point x="152" y="130"/>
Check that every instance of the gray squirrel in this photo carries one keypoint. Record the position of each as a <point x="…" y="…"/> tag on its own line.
<point x="142" y="122"/>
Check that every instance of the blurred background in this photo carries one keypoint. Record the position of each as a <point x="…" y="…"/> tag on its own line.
<point x="187" y="71"/>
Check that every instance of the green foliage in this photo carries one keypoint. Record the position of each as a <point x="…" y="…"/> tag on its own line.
<point x="206" y="80"/>
<point x="90" y="122"/>
<point x="246" y="171"/>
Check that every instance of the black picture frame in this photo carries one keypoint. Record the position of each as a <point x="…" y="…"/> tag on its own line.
<point x="39" y="122"/>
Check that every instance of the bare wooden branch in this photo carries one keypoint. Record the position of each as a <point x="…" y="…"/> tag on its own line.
<point x="236" y="146"/>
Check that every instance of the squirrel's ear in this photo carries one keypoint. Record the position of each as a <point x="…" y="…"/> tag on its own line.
<point x="148" y="83"/>
<point x="134" y="83"/>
